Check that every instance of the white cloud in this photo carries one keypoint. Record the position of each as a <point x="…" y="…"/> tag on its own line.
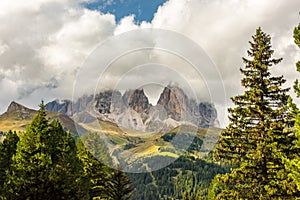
<point x="126" y="24"/>
<point x="224" y="27"/>
<point x="44" y="42"/>
<point x="42" y="45"/>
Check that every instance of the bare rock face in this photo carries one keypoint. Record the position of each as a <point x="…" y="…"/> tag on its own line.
<point x="174" y="100"/>
<point x="103" y="102"/>
<point x="109" y="102"/>
<point x="15" y="107"/>
<point x="21" y="111"/>
<point x="181" y="108"/>
<point x="137" y="100"/>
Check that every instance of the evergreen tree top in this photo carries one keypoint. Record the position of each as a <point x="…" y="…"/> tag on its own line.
<point x="42" y="106"/>
<point x="297" y="35"/>
<point x="261" y="51"/>
<point x="40" y="122"/>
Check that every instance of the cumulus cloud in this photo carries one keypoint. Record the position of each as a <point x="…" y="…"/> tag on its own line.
<point x="224" y="27"/>
<point x="44" y="43"/>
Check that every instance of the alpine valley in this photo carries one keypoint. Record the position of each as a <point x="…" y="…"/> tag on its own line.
<point x="164" y="147"/>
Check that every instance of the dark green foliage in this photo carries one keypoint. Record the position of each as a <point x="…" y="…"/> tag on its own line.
<point x="95" y="145"/>
<point x="103" y="182"/>
<point x="129" y="146"/>
<point x="293" y="165"/>
<point x="258" y="135"/>
<point x="94" y="172"/>
<point x="2" y="133"/>
<point x="120" y="187"/>
<point x="7" y="150"/>
<point x="216" y="187"/>
<point x="297" y="41"/>
<point x="45" y="165"/>
<point x="168" y="137"/>
<point x="196" y="145"/>
<point x="187" y="177"/>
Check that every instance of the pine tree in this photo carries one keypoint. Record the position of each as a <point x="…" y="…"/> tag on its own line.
<point x="293" y="165"/>
<point x="297" y="41"/>
<point x="120" y="186"/>
<point x="7" y="150"/>
<point x="258" y="137"/>
<point x="45" y="165"/>
<point x="94" y="172"/>
<point x="66" y="171"/>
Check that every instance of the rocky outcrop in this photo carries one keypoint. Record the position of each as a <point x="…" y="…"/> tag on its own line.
<point x="181" y="108"/>
<point x="13" y="106"/>
<point x="21" y="111"/>
<point x="109" y="102"/>
<point x="137" y="100"/>
<point x="174" y="100"/>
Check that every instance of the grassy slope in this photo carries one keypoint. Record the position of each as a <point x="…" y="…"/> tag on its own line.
<point x="145" y="144"/>
<point x="13" y="121"/>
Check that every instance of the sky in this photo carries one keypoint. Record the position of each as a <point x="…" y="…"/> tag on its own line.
<point x="49" y="47"/>
<point x="143" y="10"/>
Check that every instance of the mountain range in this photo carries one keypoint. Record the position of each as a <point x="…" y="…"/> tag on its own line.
<point x="132" y="109"/>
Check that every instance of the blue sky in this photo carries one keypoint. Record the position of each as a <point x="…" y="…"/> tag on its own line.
<point x="142" y="9"/>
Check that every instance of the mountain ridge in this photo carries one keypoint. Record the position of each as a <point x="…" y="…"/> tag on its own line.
<point x="133" y="109"/>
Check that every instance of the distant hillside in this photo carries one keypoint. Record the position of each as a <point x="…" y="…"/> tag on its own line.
<point x="17" y="117"/>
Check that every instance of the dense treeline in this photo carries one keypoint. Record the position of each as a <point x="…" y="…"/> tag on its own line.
<point x="45" y="162"/>
<point x="186" y="175"/>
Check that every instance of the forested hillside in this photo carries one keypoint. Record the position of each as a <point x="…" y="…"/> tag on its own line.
<point x="186" y="178"/>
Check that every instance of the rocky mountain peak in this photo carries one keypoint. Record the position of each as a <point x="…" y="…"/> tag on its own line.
<point x="174" y="100"/>
<point x="21" y="111"/>
<point x="14" y="106"/>
<point x="138" y="101"/>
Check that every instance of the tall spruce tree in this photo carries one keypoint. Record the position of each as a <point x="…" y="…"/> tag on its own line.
<point x="257" y="136"/>
<point x="293" y="165"/>
<point x="297" y="41"/>
<point x="45" y="165"/>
